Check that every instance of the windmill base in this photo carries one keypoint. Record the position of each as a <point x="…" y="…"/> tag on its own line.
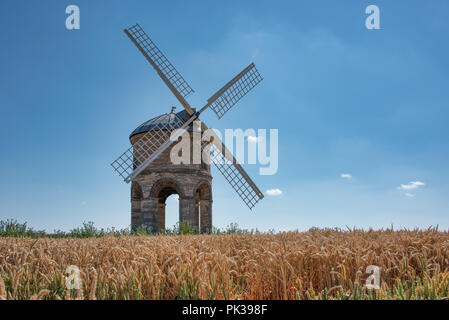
<point x="150" y="190"/>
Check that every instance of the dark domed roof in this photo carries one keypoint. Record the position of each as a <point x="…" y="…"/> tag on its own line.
<point x="160" y="122"/>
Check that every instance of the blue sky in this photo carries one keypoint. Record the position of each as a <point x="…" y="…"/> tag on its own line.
<point x="370" y="103"/>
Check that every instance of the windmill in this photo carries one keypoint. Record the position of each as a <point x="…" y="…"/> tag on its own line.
<point x="161" y="136"/>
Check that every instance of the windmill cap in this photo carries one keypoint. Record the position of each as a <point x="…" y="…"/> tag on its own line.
<point x="160" y="122"/>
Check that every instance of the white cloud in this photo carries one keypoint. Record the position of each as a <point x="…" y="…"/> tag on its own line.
<point x="410" y="195"/>
<point x="274" y="192"/>
<point x="252" y="139"/>
<point x="411" y="185"/>
<point x="346" y="176"/>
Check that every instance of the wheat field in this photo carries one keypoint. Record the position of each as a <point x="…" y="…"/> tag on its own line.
<point x="320" y="264"/>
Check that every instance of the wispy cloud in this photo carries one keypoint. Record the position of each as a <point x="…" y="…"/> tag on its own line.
<point x="274" y="192"/>
<point x="411" y="185"/>
<point x="346" y="176"/>
<point x="410" y="195"/>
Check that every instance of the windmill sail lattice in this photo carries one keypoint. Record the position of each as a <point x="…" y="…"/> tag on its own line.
<point x="159" y="61"/>
<point x="149" y="144"/>
<point x="238" y="179"/>
<point x="234" y="90"/>
<point x="231" y="170"/>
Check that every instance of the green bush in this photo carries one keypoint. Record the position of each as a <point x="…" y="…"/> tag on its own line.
<point x="12" y="228"/>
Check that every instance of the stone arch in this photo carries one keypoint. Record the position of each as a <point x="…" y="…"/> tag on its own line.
<point x="166" y="183"/>
<point x="195" y="199"/>
<point x="204" y="189"/>
<point x="136" y="191"/>
<point x="160" y="191"/>
<point x="203" y="206"/>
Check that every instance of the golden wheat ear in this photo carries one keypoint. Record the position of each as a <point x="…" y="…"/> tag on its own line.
<point x="93" y="285"/>
<point x="79" y="294"/>
<point x="2" y="290"/>
<point x="40" y="295"/>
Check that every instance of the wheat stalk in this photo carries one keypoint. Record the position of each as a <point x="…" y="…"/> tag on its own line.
<point x="290" y="265"/>
<point x="40" y="295"/>
<point x="93" y="286"/>
<point x="2" y="290"/>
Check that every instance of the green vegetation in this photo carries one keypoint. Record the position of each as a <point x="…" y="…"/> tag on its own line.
<point x="13" y="228"/>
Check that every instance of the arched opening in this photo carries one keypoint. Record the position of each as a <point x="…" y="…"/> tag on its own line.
<point x="171" y="211"/>
<point x="194" y="205"/>
<point x="166" y="193"/>
<point x="203" y="207"/>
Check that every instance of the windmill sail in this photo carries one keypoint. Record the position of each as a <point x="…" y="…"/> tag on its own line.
<point x="171" y="77"/>
<point x="237" y="178"/>
<point x="232" y="171"/>
<point x="225" y="98"/>
<point x="147" y="148"/>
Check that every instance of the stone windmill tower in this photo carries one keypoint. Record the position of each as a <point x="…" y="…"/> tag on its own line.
<point x="161" y="178"/>
<point x="148" y="165"/>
